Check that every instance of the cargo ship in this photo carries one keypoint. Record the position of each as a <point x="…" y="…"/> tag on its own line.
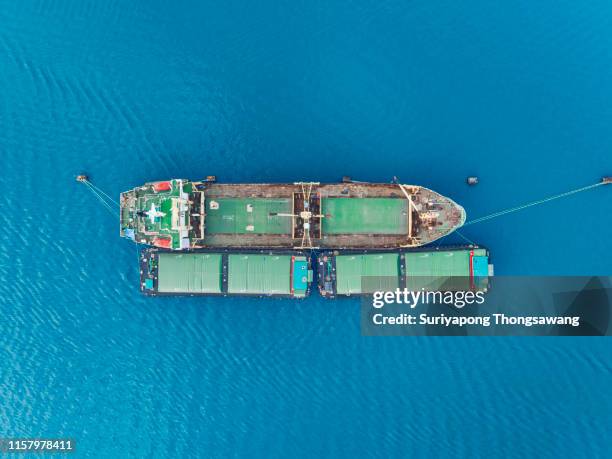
<point x="180" y="214"/>
<point x="221" y="273"/>
<point x="347" y="273"/>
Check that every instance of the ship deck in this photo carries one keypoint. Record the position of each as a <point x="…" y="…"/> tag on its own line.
<point x="267" y="215"/>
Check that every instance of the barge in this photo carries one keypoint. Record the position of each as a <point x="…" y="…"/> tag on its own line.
<point x="180" y="214"/>
<point x="347" y="273"/>
<point x="220" y="273"/>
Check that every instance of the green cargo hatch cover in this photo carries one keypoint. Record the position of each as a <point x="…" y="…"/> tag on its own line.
<point x="365" y="215"/>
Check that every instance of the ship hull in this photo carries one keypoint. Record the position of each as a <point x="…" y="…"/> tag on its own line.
<point x="298" y="216"/>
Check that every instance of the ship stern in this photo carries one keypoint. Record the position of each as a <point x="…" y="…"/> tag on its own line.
<point x="127" y="213"/>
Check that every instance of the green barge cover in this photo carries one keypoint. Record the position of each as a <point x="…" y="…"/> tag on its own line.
<point x="441" y="270"/>
<point x="246" y="273"/>
<point x="259" y="274"/>
<point x="189" y="273"/>
<point x="381" y="270"/>
<point x="365" y="215"/>
<point x="435" y="270"/>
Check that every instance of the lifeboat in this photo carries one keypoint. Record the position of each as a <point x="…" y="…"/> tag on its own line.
<point x="163" y="243"/>
<point x="162" y="186"/>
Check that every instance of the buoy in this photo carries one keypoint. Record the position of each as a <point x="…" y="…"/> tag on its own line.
<point x="82" y="178"/>
<point x="606" y="180"/>
<point x="473" y="180"/>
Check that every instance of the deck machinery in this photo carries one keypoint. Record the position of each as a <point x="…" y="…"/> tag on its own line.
<point x="181" y="215"/>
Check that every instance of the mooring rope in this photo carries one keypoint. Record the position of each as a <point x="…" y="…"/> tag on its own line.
<point x="87" y="182"/>
<point x="137" y="256"/>
<point x="469" y="241"/>
<point x="99" y="197"/>
<point x="531" y="204"/>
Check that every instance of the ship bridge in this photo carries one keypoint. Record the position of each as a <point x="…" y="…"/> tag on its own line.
<point x="160" y="214"/>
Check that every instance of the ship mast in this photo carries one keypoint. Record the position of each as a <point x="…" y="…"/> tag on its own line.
<point x="306" y="215"/>
<point x="412" y="241"/>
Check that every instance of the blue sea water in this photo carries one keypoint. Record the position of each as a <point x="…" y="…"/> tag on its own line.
<point x="517" y="92"/>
